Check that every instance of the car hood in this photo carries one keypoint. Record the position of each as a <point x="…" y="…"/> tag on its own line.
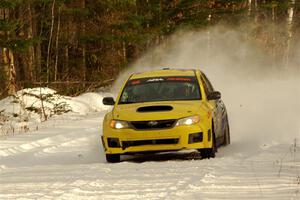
<point x="157" y="110"/>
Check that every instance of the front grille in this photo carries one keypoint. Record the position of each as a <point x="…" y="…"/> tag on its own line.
<point x="155" y="124"/>
<point x="126" y="144"/>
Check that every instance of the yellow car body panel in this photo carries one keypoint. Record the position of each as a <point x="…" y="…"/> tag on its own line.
<point x="128" y="112"/>
<point x="181" y="110"/>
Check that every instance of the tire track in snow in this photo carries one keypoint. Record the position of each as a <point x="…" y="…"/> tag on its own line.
<point x="56" y="137"/>
<point x="207" y="179"/>
<point x="51" y="175"/>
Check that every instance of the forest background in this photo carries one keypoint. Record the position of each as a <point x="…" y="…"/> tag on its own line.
<point x="79" y="45"/>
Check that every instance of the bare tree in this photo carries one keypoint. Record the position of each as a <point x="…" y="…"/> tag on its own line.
<point x="56" y="44"/>
<point x="50" y="41"/>
<point x="31" y="53"/>
<point x="290" y="22"/>
<point x="83" y="28"/>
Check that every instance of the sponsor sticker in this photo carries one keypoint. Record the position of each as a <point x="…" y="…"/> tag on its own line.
<point x="135" y="82"/>
<point x="160" y="79"/>
<point x="178" y="79"/>
<point x="155" y="80"/>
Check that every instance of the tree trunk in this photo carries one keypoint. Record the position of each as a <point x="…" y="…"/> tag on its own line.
<point x="124" y="52"/>
<point x="290" y="21"/>
<point x="249" y="7"/>
<point x="66" y="63"/>
<point x="9" y="68"/>
<point x="38" y="61"/>
<point x="8" y="61"/>
<point x="31" y="53"/>
<point x="50" y="41"/>
<point x="83" y="27"/>
<point x="256" y="11"/>
<point x="38" y="30"/>
<point x="56" y="44"/>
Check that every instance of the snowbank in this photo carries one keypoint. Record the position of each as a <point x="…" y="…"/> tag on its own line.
<point x="31" y="106"/>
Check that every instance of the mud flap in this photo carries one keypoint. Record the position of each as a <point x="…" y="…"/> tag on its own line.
<point x="103" y="144"/>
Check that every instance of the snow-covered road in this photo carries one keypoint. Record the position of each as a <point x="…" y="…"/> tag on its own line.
<point x="64" y="160"/>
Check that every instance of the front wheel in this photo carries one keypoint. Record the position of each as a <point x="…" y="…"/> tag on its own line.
<point x="113" y="158"/>
<point x="209" y="152"/>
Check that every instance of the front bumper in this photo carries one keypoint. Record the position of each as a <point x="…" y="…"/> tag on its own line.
<point x="127" y="141"/>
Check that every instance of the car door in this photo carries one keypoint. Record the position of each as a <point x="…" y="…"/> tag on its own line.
<point x="218" y="107"/>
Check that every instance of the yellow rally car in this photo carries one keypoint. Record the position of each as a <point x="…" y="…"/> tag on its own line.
<point x="165" y="110"/>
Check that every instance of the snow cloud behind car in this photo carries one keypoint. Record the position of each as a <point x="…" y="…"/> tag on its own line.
<point x="262" y="94"/>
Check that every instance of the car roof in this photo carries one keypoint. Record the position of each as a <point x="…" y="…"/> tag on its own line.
<point x="164" y="72"/>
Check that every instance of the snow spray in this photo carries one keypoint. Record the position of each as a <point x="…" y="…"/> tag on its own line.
<point x="262" y="96"/>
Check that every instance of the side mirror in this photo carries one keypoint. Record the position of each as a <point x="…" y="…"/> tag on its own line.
<point x="214" y="96"/>
<point x="109" y="101"/>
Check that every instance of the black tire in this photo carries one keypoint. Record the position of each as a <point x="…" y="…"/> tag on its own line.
<point x="113" y="158"/>
<point x="226" y="135"/>
<point x="209" y="152"/>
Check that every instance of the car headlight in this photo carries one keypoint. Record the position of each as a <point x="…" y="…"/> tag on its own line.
<point x="118" y="124"/>
<point x="188" y="120"/>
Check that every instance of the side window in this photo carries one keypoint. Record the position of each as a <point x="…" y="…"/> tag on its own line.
<point x="205" y="86"/>
<point x="207" y="82"/>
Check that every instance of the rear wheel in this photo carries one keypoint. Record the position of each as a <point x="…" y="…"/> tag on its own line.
<point x="113" y="158"/>
<point x="226" y="135"/>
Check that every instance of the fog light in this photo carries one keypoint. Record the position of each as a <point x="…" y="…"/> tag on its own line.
<point x="113" y="142"/>
<point x="195" y="137"/>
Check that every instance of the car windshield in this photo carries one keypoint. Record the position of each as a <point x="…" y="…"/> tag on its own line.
<point x="160" y="89"/>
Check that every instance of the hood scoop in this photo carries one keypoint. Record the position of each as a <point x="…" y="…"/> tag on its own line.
<point x="154" y="108"/>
